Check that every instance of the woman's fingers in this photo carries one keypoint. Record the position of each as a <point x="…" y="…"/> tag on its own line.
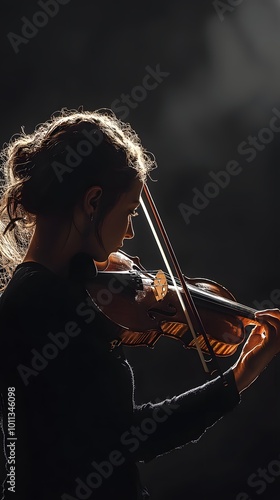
<point x="272" y="316"/>
<point x="256" y="338"/>
<point x="270" y="319"/>
<point x="261" y="346"/>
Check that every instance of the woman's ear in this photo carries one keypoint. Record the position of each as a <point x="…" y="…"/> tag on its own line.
<point x="91" y="199"/>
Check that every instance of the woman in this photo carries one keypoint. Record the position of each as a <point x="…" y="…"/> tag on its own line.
<point x="71" y="189"/>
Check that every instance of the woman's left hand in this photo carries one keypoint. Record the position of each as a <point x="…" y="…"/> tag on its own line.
<point x="261" y="346"/>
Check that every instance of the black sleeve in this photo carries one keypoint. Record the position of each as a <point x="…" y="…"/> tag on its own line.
<point x="163" y="426"/>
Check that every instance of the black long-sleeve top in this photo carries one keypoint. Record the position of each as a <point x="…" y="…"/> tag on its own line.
<point x="79" y="433"/>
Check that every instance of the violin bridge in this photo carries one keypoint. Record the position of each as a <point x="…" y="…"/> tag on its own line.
<point x="160" y="285"/>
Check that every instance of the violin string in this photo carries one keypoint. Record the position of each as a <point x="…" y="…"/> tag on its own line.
<point x="220" y="301"/>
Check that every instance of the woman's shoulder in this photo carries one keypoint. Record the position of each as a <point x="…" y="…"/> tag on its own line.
<point x="27" y="277"/>
<point x="33" y="285"/>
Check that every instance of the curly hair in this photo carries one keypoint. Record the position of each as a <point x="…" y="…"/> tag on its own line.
<point x="47" y="172"/>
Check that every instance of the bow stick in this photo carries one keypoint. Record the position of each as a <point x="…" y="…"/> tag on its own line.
<point x="190" y="311"/>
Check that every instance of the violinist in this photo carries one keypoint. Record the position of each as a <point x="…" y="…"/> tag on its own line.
<point x="70" y="192"/>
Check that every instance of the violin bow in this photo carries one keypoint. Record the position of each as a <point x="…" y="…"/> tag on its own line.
<point x="189" y="309"/>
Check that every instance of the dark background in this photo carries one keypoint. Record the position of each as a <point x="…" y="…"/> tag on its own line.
<point x="222" y="85"/>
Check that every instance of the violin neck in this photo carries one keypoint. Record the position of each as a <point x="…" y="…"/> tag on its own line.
<point x="221" y="304"/>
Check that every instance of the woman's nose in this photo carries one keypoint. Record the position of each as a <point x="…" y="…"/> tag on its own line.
<point x="129" y="231"/>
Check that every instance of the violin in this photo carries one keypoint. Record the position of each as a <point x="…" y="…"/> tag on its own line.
<point x="145" y="304"/>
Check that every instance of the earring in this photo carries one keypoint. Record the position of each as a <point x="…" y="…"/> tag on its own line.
<point x="91" y="217"/>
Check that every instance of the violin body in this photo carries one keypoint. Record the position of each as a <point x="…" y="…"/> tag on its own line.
<point x="145" y="303"/>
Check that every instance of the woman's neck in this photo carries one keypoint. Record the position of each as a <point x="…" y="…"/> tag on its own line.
<point x="53" y="245"/>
